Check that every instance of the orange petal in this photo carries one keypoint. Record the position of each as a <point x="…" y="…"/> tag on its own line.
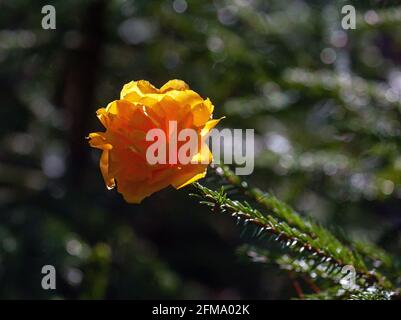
<point x="135" y="192"/>
<point x="104" y="117"/>
<point x="209" y="126"/>
<point x="201" y="114"/>
<point x="209" y="105"/>
<point x="97" y="140"/>
<point x="185" y="97"/>
<point x="204" y="156"/>
<point x="174" y="85"/>
<point x="133" y="90"/>
<point x="104" y="168"/>
<point x="187" y="176"/>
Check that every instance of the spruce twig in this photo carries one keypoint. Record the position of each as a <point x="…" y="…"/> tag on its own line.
<point x="368" y="251"/>
<point x="336" y="254"/>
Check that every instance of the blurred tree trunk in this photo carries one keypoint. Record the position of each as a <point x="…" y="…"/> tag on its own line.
<point x="79" y="83"/>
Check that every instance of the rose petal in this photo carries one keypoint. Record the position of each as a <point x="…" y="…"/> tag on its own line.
<point x="174" y="84"/>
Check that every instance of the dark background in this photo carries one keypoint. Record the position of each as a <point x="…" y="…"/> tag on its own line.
<point x="324" y="103"/>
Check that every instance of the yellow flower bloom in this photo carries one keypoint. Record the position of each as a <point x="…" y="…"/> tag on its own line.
<point x="143" y="107"/>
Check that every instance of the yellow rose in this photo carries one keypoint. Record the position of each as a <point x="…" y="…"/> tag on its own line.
<point x="141" y="108"/>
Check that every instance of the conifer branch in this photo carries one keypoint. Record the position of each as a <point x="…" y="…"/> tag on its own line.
<point x="370" y="252"/>
<point x="333" y="253"/>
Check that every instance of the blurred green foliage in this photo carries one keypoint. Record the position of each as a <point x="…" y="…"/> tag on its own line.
<point x="325" y="104"/>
